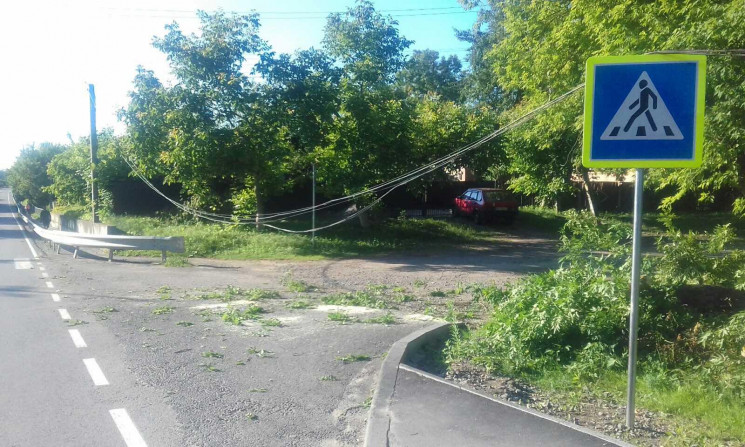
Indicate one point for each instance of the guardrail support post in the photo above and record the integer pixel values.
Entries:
(75, 253)
(111, 254)
(163, 256)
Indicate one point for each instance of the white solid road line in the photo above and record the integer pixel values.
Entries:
(80, 343)
(95, 372)
(55, 297)
(31, 247)
(127, 428)
(64, 314)
(50, 285)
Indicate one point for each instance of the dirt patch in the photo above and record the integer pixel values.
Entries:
(498, 264)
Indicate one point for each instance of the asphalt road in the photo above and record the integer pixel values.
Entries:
(48, 396)
(183, 375)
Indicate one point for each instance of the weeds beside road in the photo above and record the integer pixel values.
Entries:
(565, 332)
(393, 236)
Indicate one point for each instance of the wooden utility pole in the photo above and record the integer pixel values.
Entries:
(313, 221)
(94, 152)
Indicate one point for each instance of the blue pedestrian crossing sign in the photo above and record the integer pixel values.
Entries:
(644, 111)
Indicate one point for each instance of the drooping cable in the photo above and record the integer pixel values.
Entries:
(388, 186)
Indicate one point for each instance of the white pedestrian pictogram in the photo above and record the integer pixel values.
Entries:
(642, 116)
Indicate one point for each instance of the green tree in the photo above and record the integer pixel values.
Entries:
(366, 43)
(70, 171)
(215, 132)
(371, 141)
(28, 176)
(3, 178)
(428, 73)
(537, 50)
(440, 126)
(304, 88)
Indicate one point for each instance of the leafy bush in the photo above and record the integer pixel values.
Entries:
(575, 318)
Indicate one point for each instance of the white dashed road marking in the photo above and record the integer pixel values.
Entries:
(50, 285)
(80, 343)
(41, 269)
(127, 428)
(30, 247)
(64, 314)
(95, 372)
(44, 275)
(55, 297)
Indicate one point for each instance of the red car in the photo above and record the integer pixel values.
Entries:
(484, 204)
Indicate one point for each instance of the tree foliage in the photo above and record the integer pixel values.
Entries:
(70, 171)
(425, 74)
(215, 131)
(537, 50)
(28, 177)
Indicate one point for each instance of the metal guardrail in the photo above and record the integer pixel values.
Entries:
(112, 243)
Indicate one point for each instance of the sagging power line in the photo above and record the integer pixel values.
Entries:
(387, 187)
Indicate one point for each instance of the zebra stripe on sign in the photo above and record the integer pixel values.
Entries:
(23, 264)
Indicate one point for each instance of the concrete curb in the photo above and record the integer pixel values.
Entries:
(379, 420)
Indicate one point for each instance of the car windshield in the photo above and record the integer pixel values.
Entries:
(497, 196)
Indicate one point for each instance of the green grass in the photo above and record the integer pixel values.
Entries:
(700, 415)
(164, 292)
(341, 317)
(163, 310)
(232, 293)
(270, 322)
(176, 261)
(296, 285)
(244, 242)
(387, 319)
(542, 219)
(352, 358)
(654, 224)
(212, 355)
(238, 316)
(184, 324)
(360, 298)
(300, 304)
(328, 378)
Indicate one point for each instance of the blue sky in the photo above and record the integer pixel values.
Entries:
(53, 48)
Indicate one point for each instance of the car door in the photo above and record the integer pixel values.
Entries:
(478, 200)
(470, 202)
(460, 203)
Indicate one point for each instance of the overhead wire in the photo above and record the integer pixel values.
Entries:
(388, 186)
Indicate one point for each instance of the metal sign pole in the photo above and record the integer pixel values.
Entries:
(313, 224)
(636, 257)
